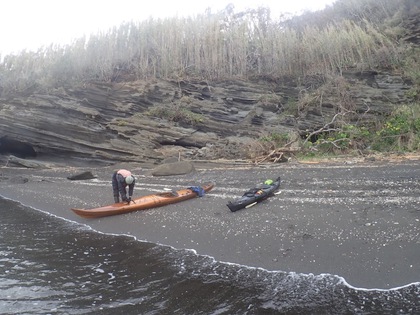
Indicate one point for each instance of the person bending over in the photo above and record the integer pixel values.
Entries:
(120, 180)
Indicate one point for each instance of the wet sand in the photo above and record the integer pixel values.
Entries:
(360, 221)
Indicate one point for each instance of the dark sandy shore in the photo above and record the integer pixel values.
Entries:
(360, 221)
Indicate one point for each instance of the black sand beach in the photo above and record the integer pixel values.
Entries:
(360, 221)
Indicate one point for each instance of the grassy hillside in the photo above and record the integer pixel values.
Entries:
(365, 35)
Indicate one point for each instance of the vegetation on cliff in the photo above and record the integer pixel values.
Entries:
(313, 49)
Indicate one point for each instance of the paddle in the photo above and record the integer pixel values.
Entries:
(254, 203)
(173, 191)
(131, 200)
(250, 205)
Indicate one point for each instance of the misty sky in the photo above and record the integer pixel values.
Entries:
(30, 24)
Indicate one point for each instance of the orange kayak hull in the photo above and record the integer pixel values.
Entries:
(141, 203)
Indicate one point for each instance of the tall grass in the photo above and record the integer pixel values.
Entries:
(213, 47)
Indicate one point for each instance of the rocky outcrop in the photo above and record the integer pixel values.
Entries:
(82, 176)
(174, 168)
(107, 123)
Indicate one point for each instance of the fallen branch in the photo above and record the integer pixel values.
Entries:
(274, 156)
(323, 129)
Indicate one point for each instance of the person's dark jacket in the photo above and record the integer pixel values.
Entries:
(119, 188)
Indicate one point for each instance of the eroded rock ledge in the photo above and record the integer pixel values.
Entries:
(111, 122)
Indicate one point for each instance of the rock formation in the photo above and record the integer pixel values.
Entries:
(113, 122)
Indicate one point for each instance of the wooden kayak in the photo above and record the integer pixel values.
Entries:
(143, 203)
(254, 196)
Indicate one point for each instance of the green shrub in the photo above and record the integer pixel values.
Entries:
(278, 139)
(349, 137)
(401, 131)
(176, 113)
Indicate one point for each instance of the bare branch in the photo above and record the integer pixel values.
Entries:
(324, 128)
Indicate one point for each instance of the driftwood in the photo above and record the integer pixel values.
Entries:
(224, 162)
(275, 156)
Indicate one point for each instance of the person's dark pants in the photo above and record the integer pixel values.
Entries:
(115, 188)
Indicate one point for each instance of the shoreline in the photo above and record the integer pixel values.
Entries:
(319, 223)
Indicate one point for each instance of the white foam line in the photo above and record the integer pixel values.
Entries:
(329, 201)
(231, 194)
(377, 289)
(235, 193)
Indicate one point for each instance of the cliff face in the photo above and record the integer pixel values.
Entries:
(411, 21)
(113, 122)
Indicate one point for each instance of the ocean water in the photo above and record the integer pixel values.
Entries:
(52, 266)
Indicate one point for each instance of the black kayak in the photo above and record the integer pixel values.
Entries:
(254, 196)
